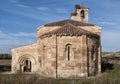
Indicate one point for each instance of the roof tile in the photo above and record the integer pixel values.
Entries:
(80, 7)
(67, 30)
(73, 22)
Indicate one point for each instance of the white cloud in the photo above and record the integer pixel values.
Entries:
(21, 5)
(14, 35)
(106, 23)
(14, 1)
(4, 36)
(62, 10)
(110, 40)
(0, 31)
(11, 40)
(23, 34)
(43, 8)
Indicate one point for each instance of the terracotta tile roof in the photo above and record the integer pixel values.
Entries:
(73, 14)
(68, 30)
(73, 22)
(80, 7)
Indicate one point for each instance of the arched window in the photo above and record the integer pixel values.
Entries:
(68, 52)
(82, 14)
(93, 53)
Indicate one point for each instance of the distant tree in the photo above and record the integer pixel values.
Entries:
(0, 56)
(9, 56)
(5, 56)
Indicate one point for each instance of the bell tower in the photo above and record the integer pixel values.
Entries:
(81, 14)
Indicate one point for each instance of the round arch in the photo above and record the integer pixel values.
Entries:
(82, 14)
(68, 51)
(26, 62)
(25, 57)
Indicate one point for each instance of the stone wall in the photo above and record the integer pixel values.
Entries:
(73, 66)
(50, 58)
(93, 55)
(47, 50)
(54, 48)
(42, 30)
(26, 52)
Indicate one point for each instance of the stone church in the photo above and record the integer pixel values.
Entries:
(67, 48)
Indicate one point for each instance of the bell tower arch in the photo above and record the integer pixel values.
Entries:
(81, 14)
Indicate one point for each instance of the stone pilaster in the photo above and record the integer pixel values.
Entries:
(84, 72)
(99, 59)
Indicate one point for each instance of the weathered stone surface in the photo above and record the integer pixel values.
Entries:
(62, 54)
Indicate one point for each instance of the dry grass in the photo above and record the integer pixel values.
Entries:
(110, 75)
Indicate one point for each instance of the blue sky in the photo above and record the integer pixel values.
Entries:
(19, 20)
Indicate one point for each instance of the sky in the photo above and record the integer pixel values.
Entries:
(19, 20)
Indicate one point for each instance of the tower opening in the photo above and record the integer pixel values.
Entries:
(82, 14)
